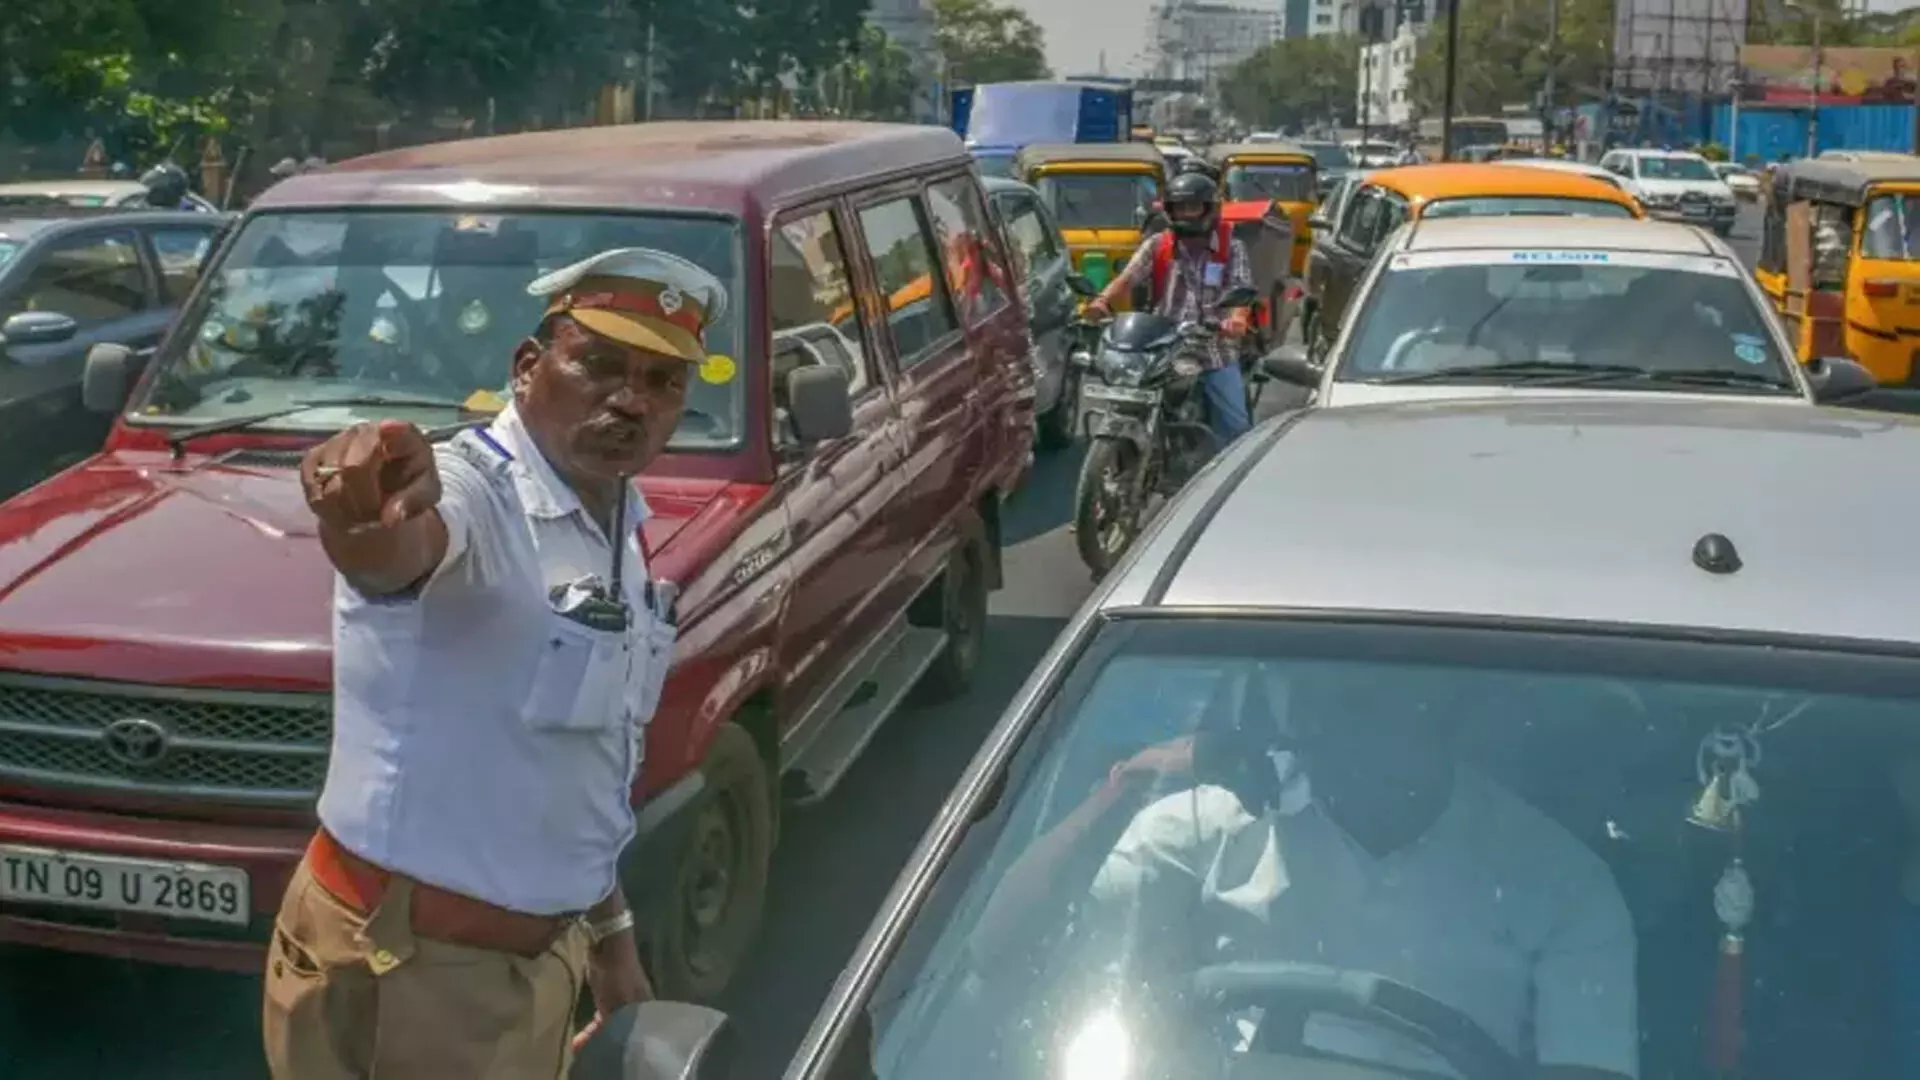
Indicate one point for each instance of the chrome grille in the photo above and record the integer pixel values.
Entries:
(218, 745)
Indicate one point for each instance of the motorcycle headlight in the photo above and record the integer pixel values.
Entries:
(1120, 367)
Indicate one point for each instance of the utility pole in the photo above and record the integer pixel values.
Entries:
(1813, 92)
(646, 74)
(1453, 65)
(1547, 95)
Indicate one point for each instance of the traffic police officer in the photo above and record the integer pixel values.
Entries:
(498, 649)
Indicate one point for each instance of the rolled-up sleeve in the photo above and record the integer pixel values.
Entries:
(1136, 269)
(1586, 999)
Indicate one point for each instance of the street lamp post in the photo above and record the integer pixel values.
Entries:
(1453, 64)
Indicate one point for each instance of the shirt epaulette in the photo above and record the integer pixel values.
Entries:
(481, 450)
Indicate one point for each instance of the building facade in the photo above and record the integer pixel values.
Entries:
(1203, 41)
(1383, 94)
(910, 24)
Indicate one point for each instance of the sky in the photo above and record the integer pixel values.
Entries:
(1079, 30)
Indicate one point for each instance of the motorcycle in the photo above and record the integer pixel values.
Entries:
(1146, 423)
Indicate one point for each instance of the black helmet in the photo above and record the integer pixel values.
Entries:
(1193, 189)
(1198, 164)
(166, 185)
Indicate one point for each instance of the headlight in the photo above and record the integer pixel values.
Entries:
(1122, 368)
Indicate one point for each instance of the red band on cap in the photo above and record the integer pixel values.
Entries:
(685, 314)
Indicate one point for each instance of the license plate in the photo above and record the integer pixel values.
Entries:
(1098, 392)
(149, 887)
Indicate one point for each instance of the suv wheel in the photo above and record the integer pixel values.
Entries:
(963, 618)
(720, 887)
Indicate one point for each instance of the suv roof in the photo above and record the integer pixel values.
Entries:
(25, 222)
(1581, 509)
(1542, 231)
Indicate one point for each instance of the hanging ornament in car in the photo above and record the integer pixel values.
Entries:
(475, 318)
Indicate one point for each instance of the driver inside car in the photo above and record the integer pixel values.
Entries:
(1344, 831)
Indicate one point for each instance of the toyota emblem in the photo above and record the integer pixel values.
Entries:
(136, 741)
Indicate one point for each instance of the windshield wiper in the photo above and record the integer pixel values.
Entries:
(177, 441)
(1522, 370)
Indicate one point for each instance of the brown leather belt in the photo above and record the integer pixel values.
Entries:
(438, 915)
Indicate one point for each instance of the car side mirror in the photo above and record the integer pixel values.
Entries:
(819, 403)
(1082, 285)
(1837, 379)
(1237, 297)
(1289, 364)
(1319, 221)
(657, 1040)
(106, 378)
(1155, 221)
(38, 328)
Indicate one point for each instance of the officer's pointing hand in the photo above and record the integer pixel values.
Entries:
(371, 474)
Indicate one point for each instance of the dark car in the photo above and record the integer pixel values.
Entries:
(1041, 263)
(71, 279)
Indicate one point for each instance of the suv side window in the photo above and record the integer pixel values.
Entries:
(180, 250)
(900, 243)
(91, 279)
(810, 304)
(1359, 223)
(1028, 235)
(976, 274)
(1393, 214)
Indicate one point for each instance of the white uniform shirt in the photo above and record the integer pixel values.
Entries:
(483, 742)
(1496, 911)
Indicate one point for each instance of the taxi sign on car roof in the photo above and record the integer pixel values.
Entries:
(1648, 260)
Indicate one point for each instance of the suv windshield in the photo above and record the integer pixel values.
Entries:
(1665, 315)
(1503, 205)
(1675, 168)
(1099, 200)
(1287, 183)
(422, 305)
(1258, 848)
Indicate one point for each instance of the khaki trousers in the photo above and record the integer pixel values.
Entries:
(353, 997)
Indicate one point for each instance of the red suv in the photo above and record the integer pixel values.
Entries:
(830, 508)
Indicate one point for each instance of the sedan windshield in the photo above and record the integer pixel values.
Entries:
(994, 164)
(1328, 155)
(417, 305)
(1287, 183)
(1099, 200)
(1260, 849)
(1504, 205)
(8, 249)
(1458, 312)
(1675, 168)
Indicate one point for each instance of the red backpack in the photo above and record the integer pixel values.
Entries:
(1163, 257)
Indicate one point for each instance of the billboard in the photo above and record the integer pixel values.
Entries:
(1784, 74)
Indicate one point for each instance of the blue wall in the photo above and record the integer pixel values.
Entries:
(1773, 132)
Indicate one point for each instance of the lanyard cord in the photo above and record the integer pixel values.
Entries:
(617, 534)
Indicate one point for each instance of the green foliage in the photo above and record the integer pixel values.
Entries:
(1505, 55)
(981, 42)
(1295, 83)
(875, 82)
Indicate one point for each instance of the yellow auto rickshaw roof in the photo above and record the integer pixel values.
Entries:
(1040, 155)
(1847, 182)
(1455, 180)
(1220, 155)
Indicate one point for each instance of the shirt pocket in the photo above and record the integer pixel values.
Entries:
(576, 678)
(656, 653)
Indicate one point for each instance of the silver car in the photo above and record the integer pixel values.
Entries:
(1502, 738)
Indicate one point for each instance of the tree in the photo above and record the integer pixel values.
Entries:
(1295, 83)
(1504, 55)
(981, 42)
(875, 82)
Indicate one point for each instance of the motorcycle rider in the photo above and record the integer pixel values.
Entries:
(1189, 266)
(167, 186)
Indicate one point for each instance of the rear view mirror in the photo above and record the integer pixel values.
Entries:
(38, 328)
(105, 380)
(656, 1040)
(1237, 297)
(1289, 364)
(819, 403)
(1081, 285)
(1837, 379)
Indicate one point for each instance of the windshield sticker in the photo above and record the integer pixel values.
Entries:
(717, 370)
(484, 401)
(474, 223)
(1750, 349)
(1561, 256)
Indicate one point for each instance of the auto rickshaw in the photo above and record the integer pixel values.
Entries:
(1840, 260)
(1101, 194)
(1267, 194)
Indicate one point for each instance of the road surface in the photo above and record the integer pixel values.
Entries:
(63, 1018)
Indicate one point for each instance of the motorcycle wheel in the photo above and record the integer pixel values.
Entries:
(1058, 427)
(1103, 522)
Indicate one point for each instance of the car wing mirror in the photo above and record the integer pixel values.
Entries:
(1081, 285)
(38, 328)
(1289, 364)
(1319, 221)
(819, 403)
(1837, 379)
(1155, 221)
(657, 1040)
(106, 378)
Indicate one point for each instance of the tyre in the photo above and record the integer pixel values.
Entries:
(720, 886)
(1057, 426)
(963, 618)
(1103, 523)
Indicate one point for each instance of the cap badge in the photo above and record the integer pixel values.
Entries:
(670, 299)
